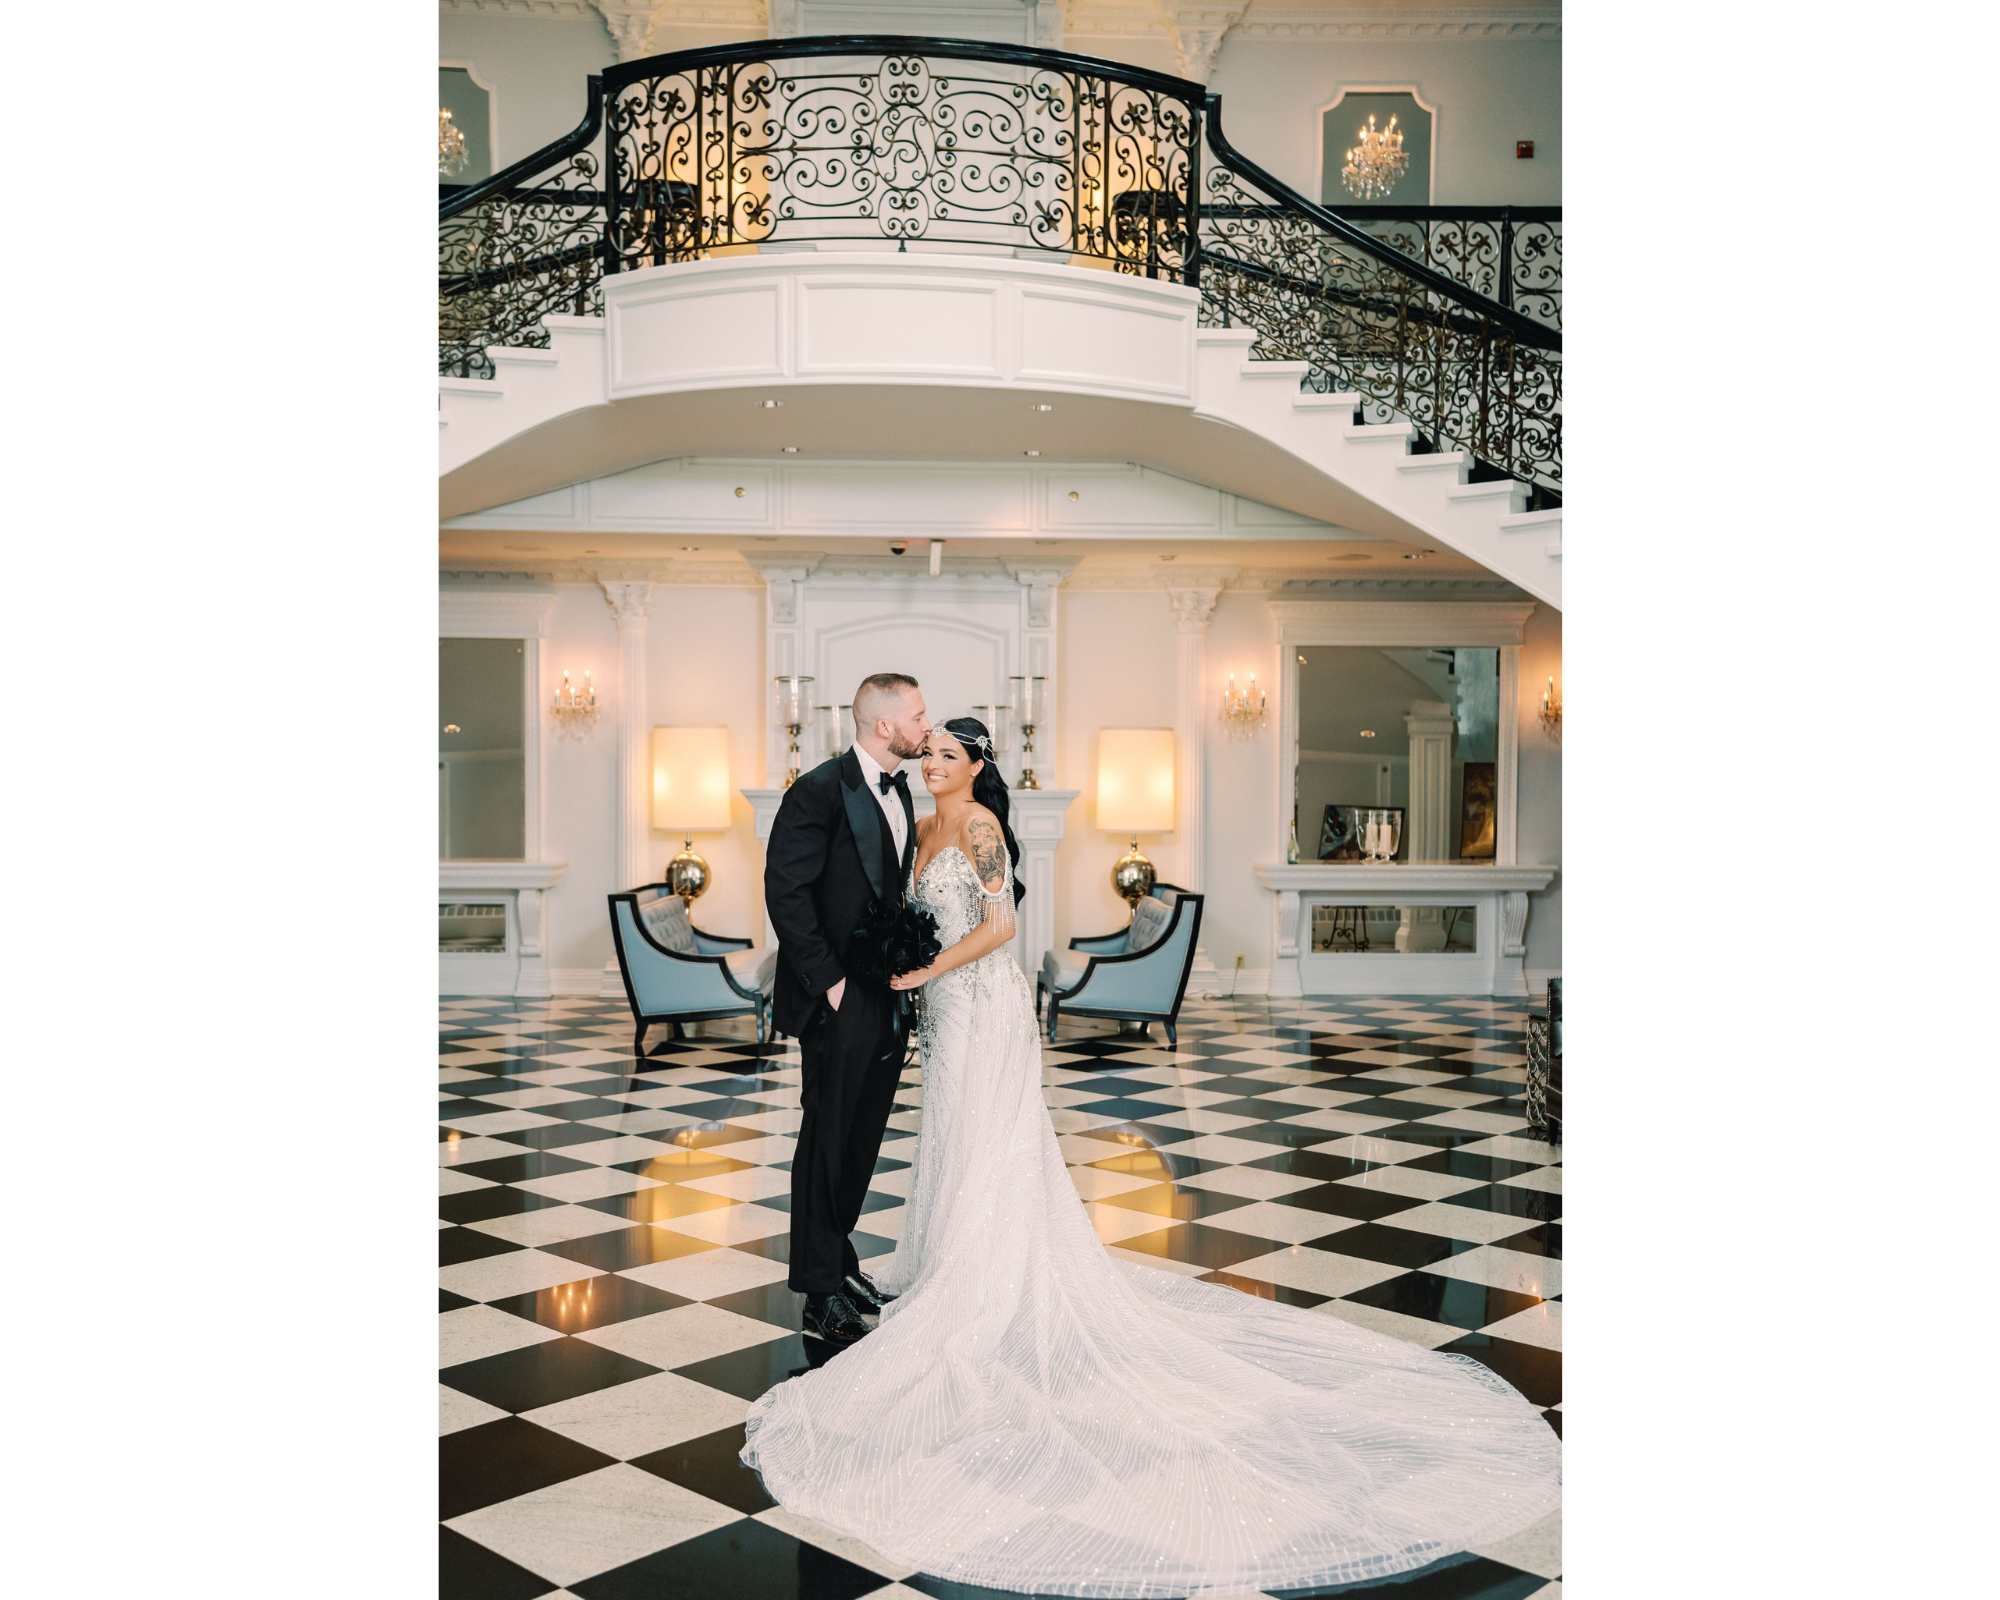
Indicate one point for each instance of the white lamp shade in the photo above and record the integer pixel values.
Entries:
(691, 780)
(1135, 780)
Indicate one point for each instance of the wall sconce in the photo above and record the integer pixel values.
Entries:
(1552, 710)
(1242, 709)
(690, 796)
(575, 711)
(1135, 795)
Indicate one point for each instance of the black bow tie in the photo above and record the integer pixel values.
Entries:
(899, 779)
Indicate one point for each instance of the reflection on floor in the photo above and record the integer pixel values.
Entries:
(613, 1239)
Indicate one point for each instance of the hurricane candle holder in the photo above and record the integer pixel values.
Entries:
(1029, 703)
(794, 713)
(1381, 834)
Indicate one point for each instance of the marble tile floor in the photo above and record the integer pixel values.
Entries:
(612, 1237)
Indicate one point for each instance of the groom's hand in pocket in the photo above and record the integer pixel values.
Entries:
(833, 995)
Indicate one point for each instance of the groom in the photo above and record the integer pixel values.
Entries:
(845, 834)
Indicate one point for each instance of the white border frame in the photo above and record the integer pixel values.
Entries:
(1404, 624)
(512, 613)
(1346, 89)
(471, 70)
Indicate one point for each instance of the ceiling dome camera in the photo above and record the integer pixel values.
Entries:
(897, 547)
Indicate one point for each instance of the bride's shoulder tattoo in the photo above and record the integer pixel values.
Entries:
(989, 850)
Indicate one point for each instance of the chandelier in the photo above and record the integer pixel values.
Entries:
(451, 146)
(575, 712)
(1374, 165)
(1242, 709)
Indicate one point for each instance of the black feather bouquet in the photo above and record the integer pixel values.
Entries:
(889, 941)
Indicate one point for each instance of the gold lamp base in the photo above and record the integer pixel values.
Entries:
(1132, 876)
(687, 874)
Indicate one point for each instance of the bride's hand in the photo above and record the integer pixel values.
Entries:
(911, 980)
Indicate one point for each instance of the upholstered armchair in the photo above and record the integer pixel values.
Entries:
(675, 973)
(1138, 974)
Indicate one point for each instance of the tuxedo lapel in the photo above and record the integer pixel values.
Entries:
(864, 821)
(909, 839)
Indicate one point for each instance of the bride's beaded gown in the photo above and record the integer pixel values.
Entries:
(1035, 1414)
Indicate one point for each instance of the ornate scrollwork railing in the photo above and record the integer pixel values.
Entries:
(1512, 254)
(882, 139)
(526, 242)
(1413, 342)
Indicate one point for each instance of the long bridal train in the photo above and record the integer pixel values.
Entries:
(1034, 1414)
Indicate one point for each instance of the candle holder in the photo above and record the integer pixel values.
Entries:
(1381, 832)
(1029, 704)
(826, 723)
(794, 712)
(575, 711)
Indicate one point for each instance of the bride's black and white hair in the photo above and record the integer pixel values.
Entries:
(988, 787)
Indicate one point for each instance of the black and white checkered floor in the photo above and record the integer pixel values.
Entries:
(613, 1239)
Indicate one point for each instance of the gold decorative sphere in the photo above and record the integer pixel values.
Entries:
(1133, 875)
(687, 874)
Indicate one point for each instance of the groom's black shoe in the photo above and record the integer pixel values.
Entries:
(860, 1288)
(834, 1318)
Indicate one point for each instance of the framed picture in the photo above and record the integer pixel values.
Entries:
(1478, 816)
(1340, 831)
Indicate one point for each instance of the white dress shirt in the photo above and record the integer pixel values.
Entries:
(891, 802)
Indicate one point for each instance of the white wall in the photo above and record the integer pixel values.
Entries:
(1486, 96)
(1117, 660)
(535, 68)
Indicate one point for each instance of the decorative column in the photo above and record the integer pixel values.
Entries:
(1194, 608)
(1430, 725)
(630, 605)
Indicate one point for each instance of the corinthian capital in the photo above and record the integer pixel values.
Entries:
(630, 602)
(1197, 33)
(631, 24)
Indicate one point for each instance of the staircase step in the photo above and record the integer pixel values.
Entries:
(1555, 550)
(1453, 461)
(1245, 337)
(1296, 371)
(521, 356)
(1549, 521)
(1327, 402)
(1504, 490)
(1381, 433)
(492, 388)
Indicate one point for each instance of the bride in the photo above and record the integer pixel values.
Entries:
(1035, 1414)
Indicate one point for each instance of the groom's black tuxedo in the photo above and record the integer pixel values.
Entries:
(831, 852)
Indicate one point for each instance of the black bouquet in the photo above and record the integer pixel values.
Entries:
(890, 941)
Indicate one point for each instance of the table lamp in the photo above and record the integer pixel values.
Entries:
(1135, 795)
(690, 796)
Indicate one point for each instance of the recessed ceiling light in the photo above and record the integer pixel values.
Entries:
(1031, 452)
(451, 727)
(765, 538)
(769, 405)
(791, 449)
(1169, 558)
(1302, 660)
(1040, 407)
(691, 547)
(536, 548)
(1367, 733)
(590, 552)
(1347, 558)
(1045, 541)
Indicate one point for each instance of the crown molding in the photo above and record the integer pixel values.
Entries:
(538, 10)
(1403, 24)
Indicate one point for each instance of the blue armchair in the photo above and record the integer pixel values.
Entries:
(675, 973)
(1138, 974)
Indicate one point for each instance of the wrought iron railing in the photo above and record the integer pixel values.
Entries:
(877, 141)
(1412, 342)
(1512, 254)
